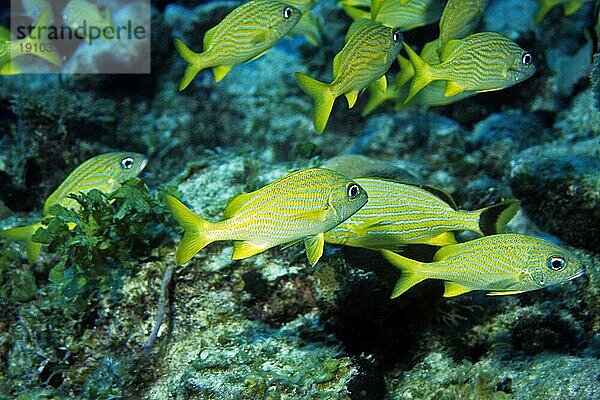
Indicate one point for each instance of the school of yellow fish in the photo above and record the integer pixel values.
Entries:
(320, 205)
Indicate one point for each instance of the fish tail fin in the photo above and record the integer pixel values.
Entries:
(407, 71)
(194, 66)
(422, 76)
(195, 230)
(410, 272)
(323, 99)
(40, 46)
(24, 233)
(492, 219)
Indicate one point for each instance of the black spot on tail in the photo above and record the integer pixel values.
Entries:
(493, 219)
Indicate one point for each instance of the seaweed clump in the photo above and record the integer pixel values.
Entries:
(64, 329)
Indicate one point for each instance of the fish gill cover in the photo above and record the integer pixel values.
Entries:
(468, 137)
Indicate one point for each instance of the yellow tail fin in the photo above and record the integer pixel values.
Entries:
(422, 75)
(40, 45)
(410, 272)
(323, 99)
(193, 65)
(24, 233)
(195, 229)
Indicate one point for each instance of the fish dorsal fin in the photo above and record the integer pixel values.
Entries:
(452, 289)
(381, 84)
(220, 71)
(504, 292)
(442, 194)
(351, 97)
(336, 64)
(245, 249)
(447, 251)
(236, 203)
(314, 247)
(450, 48)
(208, 37)
(453, 88)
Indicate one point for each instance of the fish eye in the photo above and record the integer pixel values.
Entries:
(526, 59)
(556, 263)
(287, 12)
(397, 36)
(353, 190)
(127, 162)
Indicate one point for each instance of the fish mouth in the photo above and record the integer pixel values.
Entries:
(577, 275)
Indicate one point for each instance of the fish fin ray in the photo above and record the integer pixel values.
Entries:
(422, 76)
(493, 219)
(314, 247)
(220, 71)
(193, 67)
(195, 229)
(246, 248)
(323, 99)
(452, 89)
(351, 97)
(410, 272)
(452, 289)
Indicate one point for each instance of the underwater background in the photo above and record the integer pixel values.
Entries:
(81, 320)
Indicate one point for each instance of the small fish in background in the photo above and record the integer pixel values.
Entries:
(308, 26)
(31, 45)
(570, 7)
(246, 33)
(501, 264)
(300, 206)
(104, 172)
(35, 8)
(413, 14)
(376, 5)
(481, 62)
(399, 213)
(459, 19)
(79, 12)
(369, 51)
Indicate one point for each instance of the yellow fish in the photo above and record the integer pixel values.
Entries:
(300, 206)
(369, 51)
(398, 214)
(481, 62)
(104, 172)
(571, 7)
(35, 44)
(308, 25)
(404, 17)
(35, 8)
(244, 34)
(78, 13)
(459, 18)
(502, 264)
(376, 5)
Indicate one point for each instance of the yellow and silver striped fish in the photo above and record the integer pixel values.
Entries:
(369, 51)
(502, 264)
(481, 62)
(244, 34)
(405, 17)
(104, 172)
(459, 18)
(399, 213)
(300, 206)
(78, 13)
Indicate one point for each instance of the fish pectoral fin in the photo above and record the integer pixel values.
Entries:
(313, 216)
(504, 292)
(258, 56)
(453, 88)
(245, 249)
(452, 289)
(314, 247)
(351, 98)
(220, 71)
(260, 37)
